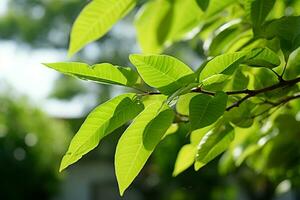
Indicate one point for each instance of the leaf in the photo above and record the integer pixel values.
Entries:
(139, 140)
(183, 103)
(161, 22)
(218, 78)
(152, 25)
(293, 65)
(213, 144)
(258, 10)
(223, 64)
(262, 57)
(185, 158)
(241, 116)
(100, 122)
(95, 20)
(171, 130)
(203, 4)
(163, 72)
(216, 6)
(103, 73)
(205, 109)
(281, 28)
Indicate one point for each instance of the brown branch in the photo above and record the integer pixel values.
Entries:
(249, 93)
(252, 93)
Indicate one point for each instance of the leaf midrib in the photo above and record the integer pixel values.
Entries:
(108, 11)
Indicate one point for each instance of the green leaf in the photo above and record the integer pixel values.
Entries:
(100, 122)
(95, 20)
(213, 144)
(262, 57)
(103, 73)
(218, 78)
(185, 158)
(152, 25)
(161, 22)
(183, 103)
(205, 109)
(216, 6)
(287, 29)
(203, 4)
(293, 65)
(223, 64)
(163, 72)
(171, 130)
(139, 140)
(258, 10)
(241, 116)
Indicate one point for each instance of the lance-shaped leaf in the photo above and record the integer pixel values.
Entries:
(185, 158)
(206, 109)
(103, 73)
(96, 19)
(223, 64)
(163, 72)
(139, 140)
(100, 122)
(213, 144)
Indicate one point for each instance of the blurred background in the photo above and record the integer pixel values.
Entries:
(41, 109)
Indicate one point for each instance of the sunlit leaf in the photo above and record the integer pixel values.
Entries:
(139, 140)
(185, 158)
(103, 73)
(163, 72)
(216, 6)
(100, 122)
(223, 64)
(95, 20)
(183, 103)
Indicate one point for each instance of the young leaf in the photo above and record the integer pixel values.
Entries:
(103, 73)
(163, 72)
(205, 109)
(139, 140)
(185, 158)
(223, 64)
(95, 20)
(100, 122)
(213, 144)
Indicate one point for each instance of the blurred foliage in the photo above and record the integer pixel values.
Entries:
(31, 145)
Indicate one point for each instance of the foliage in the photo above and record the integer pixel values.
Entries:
(236, 101)
(28, 169)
